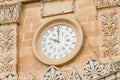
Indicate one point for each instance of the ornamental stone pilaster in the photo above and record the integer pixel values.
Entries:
(109, 29)
(9, 19)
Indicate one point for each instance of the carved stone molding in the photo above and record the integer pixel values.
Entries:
(53, 73)
(10, 13)
(109, 23)
(93, 69)
(75, 75)
(114, 66)
(107, 3)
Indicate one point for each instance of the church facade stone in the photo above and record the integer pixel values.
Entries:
(98, 57)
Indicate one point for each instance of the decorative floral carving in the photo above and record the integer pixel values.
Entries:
(10, 12)
(106, 3)
(114, 66)
(75, 75)
(93, 69)
(7, 49)
(109, 24)
(53, 73)
(10, 77)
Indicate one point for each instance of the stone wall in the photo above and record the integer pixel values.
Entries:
(90, 15)
(31, 20)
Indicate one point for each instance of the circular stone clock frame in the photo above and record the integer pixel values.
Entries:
(41, 31)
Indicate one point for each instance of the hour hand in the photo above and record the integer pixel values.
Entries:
(55, 40)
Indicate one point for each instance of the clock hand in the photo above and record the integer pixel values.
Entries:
(55, 40)
(58, 32)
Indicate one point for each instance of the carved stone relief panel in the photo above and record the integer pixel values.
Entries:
(109, 23)
(93, 69)
(57, 7)
(107, 3)
(53, 73)
(8, 48)
(10, 12)
(75, 75)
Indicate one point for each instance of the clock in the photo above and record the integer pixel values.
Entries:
(57, 42)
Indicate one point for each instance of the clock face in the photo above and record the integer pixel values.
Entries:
(58, 41)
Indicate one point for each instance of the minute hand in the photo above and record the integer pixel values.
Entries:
(58, 31)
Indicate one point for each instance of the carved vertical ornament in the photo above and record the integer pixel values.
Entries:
(109, 32)
(53, 73)
(75, 75)
(93, 69)
(8, 49)
(9, 16)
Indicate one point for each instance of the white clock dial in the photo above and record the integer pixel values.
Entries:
(58, 42)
